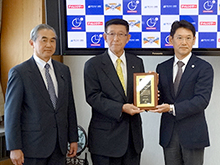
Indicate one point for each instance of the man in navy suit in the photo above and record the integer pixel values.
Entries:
(38, 124)
(115, 131)
(183, 131)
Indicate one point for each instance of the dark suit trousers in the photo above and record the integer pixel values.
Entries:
(176, 154)
(129, 158)
(56, 158)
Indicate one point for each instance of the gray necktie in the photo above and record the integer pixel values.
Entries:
(51, 89)
(178, 76)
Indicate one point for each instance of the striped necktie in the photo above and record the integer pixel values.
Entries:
(51, 89)
(120, 74)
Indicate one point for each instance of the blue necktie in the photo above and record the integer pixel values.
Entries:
(51, 89)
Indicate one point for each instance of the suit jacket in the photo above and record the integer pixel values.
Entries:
(31, 123)
(109, 127)
(192, 98)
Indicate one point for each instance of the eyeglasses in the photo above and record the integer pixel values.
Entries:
(119, 35)
(187, 39)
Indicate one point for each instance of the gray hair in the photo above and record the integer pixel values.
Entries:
(36, 29)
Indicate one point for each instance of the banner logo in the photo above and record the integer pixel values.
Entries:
(94, 23)
(76, 23)
(151, 40)
(208, 5)
(75, 7)
(151, 22)
(133, 23)
(132, 5)
(113, 6)
(189, 6)
(207, 23)
(95, 39)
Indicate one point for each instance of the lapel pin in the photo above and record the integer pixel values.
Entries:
(133, 67)
(193, 66)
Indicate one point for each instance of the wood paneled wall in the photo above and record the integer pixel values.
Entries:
(18, 18)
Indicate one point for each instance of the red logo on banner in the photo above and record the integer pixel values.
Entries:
(208, 23)
(95, 23)
(75, 7)
(189, 6)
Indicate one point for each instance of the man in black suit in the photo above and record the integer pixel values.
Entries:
(183, 131)
(40, 115)
(115, 131)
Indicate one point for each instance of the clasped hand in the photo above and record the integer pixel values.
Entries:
(131, 109)
(161, 108)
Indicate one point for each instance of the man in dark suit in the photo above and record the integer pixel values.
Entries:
(115, 131)
(40, 115)
(183, 131)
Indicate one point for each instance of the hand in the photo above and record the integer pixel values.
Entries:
(131, 109)
(17, 157)
(158, 94)
(161, 108)
(73, 149)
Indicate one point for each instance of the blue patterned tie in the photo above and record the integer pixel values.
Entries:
(51, 89)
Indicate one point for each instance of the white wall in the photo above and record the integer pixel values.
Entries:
(152, 153)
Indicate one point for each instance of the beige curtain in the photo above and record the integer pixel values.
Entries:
(1, 94)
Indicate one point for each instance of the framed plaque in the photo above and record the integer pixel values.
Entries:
(145, 90)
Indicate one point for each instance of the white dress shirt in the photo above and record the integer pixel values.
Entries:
(175, 69)
(41, 63)
(123, 64)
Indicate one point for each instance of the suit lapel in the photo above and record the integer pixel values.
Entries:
(169, 69)
(187, 72)
(130, 75)
(38, 81)
(61, 83)
(110, 71)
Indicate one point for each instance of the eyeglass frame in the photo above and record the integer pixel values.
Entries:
(187, 39)
(119, 35)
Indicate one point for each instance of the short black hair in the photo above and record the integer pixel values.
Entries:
(117, 21)
(182, 24)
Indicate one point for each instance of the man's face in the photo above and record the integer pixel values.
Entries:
(116, 37)
(182, 41)
(45, 44)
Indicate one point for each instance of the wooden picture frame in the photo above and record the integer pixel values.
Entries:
(145, 90)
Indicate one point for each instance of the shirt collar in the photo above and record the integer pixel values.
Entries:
(114, 57)
(41, 63)
(185, 60)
